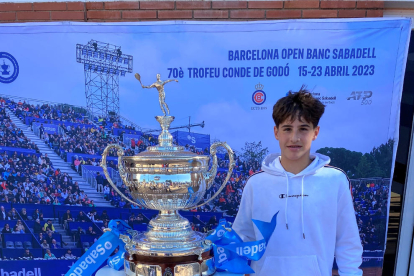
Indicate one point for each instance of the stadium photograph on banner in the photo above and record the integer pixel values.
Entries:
(225, 148)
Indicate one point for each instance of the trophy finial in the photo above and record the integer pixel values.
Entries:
(159, 85)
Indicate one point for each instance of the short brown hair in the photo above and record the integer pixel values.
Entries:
(298, 105)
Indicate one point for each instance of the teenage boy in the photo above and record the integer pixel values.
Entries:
(316, 219)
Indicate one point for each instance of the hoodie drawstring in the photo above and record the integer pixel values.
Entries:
(303, 223)
(286, 201)
(286, 204)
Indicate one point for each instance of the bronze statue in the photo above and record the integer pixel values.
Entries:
(161, 93)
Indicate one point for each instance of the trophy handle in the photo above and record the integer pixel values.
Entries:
(121, 169)
(210, 175)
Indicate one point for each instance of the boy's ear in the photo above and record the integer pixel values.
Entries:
(315, 133)
(276, 131)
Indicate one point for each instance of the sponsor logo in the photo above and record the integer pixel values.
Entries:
(259, 96)
(364, 96)
(9, 68)
(91, 257)
(191, 138)
(324, 99)
(23, 272)
(295, 196)
(250, 250)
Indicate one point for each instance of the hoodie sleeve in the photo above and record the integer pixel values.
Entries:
(348, 248)
(243, 224)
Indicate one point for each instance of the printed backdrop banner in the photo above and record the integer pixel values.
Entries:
(35, 267)
(199, 141)
(49, 128)
(230, 74)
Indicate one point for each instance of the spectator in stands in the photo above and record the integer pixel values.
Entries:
(106, 191)
(13, 215)
(78, 233)
(3, 214)
(41, 131)
(49, 237)
(99, 182)
(48, 227)
(27, 254)
(67, 217)
(23, 214)
(45, 245)
(122, 203)
(213, 221)
(81, 217)
(37, 215)
(93, 216)
(90, 231)
(40, 238)
(69, 255)
(104, 217)
(6, 229)
(20, 226)
(115, 199)
(49, 255)
(91, 204)
(76, 164)
(37, 227)
(16, 230)
(131, 220)
(54, 245)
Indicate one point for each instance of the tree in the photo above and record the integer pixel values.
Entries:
(383, 156)
(376, 163)
(253, 152)
(343, 159)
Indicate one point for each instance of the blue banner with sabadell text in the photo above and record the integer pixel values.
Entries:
(219, 81)
(35, 267)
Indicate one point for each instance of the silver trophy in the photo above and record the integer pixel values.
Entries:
(167, 178)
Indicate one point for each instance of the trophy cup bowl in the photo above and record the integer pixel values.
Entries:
(167, 178)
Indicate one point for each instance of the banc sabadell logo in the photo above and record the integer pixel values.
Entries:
(9, 68)
(191, 138)
(259, 96)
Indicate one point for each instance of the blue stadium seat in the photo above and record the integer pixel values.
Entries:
(9, 244)
(27, 244)
(18, 245)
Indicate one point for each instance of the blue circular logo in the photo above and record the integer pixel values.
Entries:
(259, 97)
(9, 68)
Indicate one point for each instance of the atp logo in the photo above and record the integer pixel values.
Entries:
(259, 96)
(364, 96)
(9, 68)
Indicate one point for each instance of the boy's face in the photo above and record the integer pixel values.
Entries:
(295, 138)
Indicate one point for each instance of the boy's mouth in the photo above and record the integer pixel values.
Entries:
(294, 147)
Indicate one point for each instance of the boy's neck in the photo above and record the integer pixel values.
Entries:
(295, 166)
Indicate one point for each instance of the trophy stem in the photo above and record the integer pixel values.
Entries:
(165, 139)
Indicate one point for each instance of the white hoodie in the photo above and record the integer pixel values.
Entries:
(316, 219)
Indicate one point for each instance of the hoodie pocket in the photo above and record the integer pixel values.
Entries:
(291, 266)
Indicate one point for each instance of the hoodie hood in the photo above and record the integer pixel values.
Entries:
(271, 164)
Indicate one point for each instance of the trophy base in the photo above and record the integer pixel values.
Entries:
(170, 266)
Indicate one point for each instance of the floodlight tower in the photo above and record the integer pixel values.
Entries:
(103, 64)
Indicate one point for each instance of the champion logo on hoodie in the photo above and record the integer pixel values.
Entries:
(296, 196)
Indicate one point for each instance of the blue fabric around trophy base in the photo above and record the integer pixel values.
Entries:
(107, 271)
